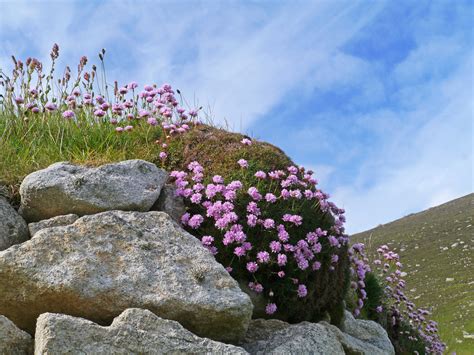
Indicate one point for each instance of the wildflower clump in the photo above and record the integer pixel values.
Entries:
(380, 293)
(275, 232)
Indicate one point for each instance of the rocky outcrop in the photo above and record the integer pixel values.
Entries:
(135, 331)
(13, 228)
(64, 188)
(367, 331)
(277, 337)
(14, 341)
(52, 222)
(170, 203)
(108, 262)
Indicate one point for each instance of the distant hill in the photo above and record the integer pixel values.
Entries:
(437, 247)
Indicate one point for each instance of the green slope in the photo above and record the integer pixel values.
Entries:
(437, 247)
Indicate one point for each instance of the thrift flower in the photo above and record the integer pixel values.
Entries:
(270, 308)
(243, 163)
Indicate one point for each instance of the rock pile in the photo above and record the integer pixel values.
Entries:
(104, 274)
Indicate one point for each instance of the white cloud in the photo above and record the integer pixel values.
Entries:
(424, 162)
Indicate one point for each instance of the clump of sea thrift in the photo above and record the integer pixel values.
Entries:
(84, 100)
(273, 230)
(396, 311)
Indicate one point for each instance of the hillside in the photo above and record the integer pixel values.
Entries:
(436, 248)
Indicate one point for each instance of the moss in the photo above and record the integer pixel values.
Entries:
(218, 151)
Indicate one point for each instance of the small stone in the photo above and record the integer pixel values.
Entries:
(13, 228)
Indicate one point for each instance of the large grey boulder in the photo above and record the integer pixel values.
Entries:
(105, 263)
(170, 203)
(52, 222)
(135, 331)
(64, 188)
(14, 341)
(13, 228)
(367, 331)
(277, 337)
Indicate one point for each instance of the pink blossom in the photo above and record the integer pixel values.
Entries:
(270, 308)
(243, 163)
(246, 141)
(252, 266)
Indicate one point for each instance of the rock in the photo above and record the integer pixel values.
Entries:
(14, 341)
(170, 203)
(105, 263)
(135, 331)
(13, 228)
(52, 222)
(63, 188)
(367, 331)
(351, 345)
(277, 337)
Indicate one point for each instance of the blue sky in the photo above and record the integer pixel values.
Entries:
(376, 97)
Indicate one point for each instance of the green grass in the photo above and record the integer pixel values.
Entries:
(435, 246)
(34, 143)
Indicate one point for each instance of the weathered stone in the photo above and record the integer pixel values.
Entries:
(277, 337)
(368, 331)
(13, 228)
(108, 262)
(170, 203)
(351, 345)
(64, 188)
(52, 222)
(135, 331)
(14, 341)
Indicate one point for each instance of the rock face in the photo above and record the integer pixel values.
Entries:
(354, 346)
(105, 263)
(13, 228)
(52, 222)
(369, 332)
(277, 337)
(170, 203)
(64, 188)
(135, 331)
(14, 341)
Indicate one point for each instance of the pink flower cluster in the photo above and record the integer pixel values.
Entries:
(398, 307)
(76, 98)
(359, 268)
(401, 309)
(254, 240)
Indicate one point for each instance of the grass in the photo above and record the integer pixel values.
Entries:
(436, 246)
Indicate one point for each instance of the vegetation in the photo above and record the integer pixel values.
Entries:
(436, 245)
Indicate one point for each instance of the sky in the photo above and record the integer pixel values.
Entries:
(376, 97)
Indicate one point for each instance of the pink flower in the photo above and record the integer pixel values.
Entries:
(207, 240)
(252, 266)
(195, 221)
(68, 114)
(243, 163)
(281, 274)
(269, 197)
(260, 175)
(119, 129)
(50, 106)
(270, 308)
(302, 291)
(281, 259)
(246, 141)
(152, 121)
(268, 223)
(263, 257)
(128, 128)
(163, 155)
(99, 113)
